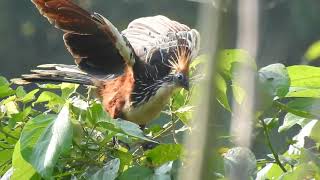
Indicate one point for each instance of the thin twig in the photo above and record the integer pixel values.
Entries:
(275, 155)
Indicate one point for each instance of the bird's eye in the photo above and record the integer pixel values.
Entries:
(179, 76)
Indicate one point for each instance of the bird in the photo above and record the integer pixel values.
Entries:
(135, 71)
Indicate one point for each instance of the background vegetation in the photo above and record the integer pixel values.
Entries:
(61, 131)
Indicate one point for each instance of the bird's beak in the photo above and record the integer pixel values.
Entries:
(185, 85)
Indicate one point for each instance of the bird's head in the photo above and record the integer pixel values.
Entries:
(180, 68)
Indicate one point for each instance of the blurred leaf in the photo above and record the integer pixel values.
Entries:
(221, 92)
(3, 81)
(5, 91)
(305, 81)
(271, 122)
(238, 92)
(11, 107)
(240, 161)
(52, 99)
(164, 153)
(228, 57)
(29, 96)
(303, 171)
(22, 169)
(290, 120)
(304, 107)
(131, 129)
(313, 52)
(108, 172)
(20, 92)
(270, 171)
(67, 89)
(44, 139)
(137, 173)
(274, 79)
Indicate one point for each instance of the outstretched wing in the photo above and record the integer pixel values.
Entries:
(96, 45)
(155, 39)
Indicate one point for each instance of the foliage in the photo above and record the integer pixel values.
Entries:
(56, 132)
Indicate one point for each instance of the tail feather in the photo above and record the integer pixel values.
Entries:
(57, 73)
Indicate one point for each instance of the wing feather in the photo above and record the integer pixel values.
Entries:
(96, 45)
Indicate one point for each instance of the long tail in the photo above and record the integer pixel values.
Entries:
(57, 73)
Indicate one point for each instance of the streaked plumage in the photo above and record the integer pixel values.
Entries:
(135, 71)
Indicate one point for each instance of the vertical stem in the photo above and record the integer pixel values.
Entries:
(275, 155)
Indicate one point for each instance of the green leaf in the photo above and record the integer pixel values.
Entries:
(305, 81)
(5, 91)
(52, 99)
(67, 89)
(313, 51)
(4, 81)
(227, 58)
(29, 96)
(274, 79)
(44, 139)
(131, 129)
(304, 107)
(302, 171)
(137, 173)
(164, 153)
(290, 120)
(22, 169)
(221, 92)
(108, 172)
(20, 92)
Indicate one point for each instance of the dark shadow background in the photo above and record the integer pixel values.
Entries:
(287, 28)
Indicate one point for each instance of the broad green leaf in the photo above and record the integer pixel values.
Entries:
(290, 120)
(164, 153)
(131, 129)
(5, 91)
(137, 173)
(274, 79)
(304, 107)
(22, 169)
(108, 172)
(227, 58)
(313, 51)
(305, 81)
(44, 139)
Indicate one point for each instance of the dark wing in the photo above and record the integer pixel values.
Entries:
(96, 45)
(155, 39)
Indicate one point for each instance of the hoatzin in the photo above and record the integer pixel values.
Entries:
(135, 71)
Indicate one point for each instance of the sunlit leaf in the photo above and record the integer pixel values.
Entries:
(164, 153)
(313, 51)
(29, 96)
(22, 169)
(290, 120)
(305, 81)
(44, 139)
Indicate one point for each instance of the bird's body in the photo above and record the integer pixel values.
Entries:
(135, 71)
